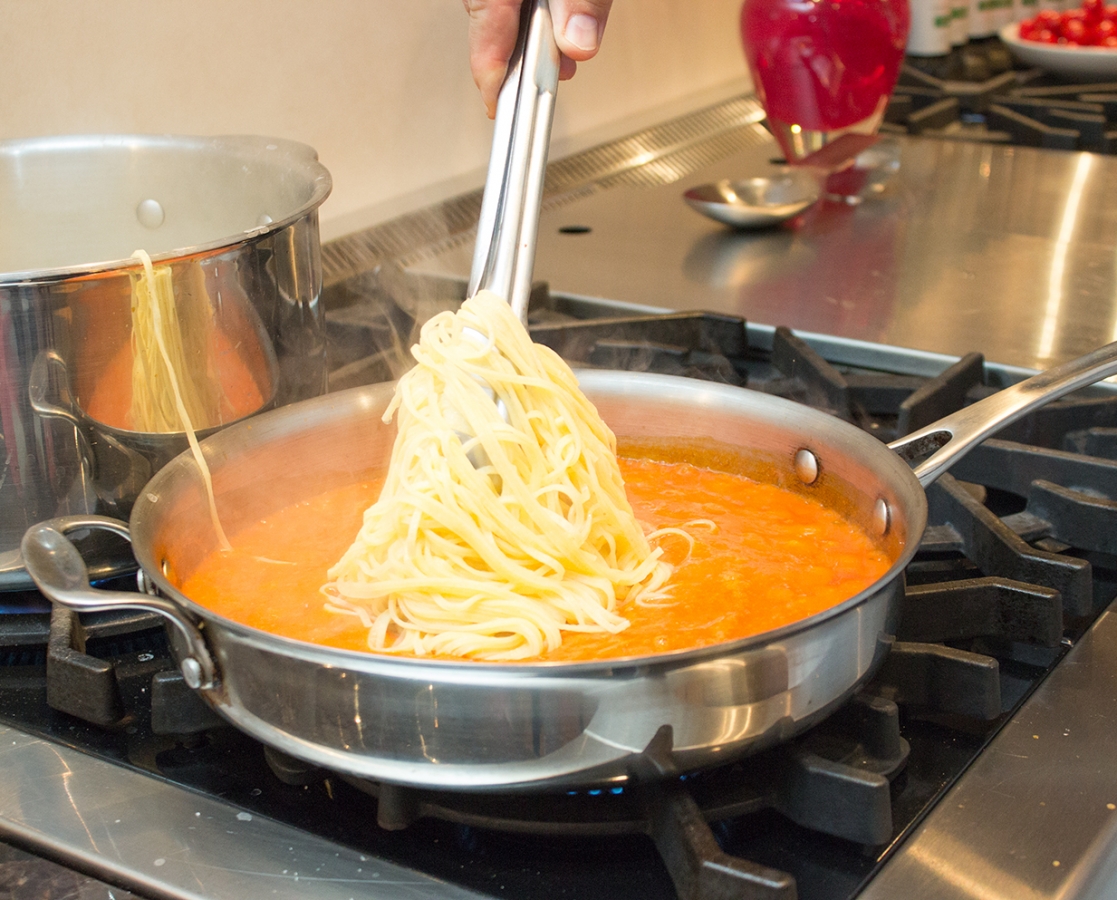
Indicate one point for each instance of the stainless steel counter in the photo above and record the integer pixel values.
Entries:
(1036, 815)
(1009, 251)
(163, 840)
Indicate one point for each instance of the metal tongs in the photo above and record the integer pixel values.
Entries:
(507, 228)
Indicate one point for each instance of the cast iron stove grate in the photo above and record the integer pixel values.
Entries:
(976, 94)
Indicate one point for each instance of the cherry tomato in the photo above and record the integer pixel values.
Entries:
(1074, 32)
(1091, 24)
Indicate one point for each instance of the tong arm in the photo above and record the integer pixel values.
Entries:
(504, 255)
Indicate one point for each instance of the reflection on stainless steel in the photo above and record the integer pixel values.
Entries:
(165, 841)
(238, 214)
(733, 261)
(872, 170)
(959, 250)
(117, 460)
(1036, 815)
(1069, 222)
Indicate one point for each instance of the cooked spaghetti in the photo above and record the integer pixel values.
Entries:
(503, 521)
(166, 373)
(172, 351)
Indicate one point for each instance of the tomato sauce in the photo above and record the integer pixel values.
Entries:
(774, 557)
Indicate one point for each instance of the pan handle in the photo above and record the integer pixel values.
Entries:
(934, 449)
(55, 565)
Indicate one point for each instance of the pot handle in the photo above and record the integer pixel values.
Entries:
(55, 565)
(38, 388)
(934, 449)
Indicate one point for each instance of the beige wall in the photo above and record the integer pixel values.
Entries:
(381, 88)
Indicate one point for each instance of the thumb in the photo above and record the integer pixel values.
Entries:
(579, 25)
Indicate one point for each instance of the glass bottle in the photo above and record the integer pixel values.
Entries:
(824, 70)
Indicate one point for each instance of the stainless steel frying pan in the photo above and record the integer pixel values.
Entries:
(493, 726)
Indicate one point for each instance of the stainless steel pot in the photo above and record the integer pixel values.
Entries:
(243, 211)
(467, 725)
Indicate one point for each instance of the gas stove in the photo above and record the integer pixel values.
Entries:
(974, 763)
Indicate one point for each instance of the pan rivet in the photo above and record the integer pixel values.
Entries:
(192, 672)
(150, 213)
(882, 517)
(806, 466)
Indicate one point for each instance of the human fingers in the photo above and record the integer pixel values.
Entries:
(579, 25)
(493, 27)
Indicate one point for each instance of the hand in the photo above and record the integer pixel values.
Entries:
(494, 25)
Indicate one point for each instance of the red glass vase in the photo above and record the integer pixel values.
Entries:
(824, 70)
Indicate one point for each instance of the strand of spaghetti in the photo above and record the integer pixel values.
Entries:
(184, 416)
(503, 520)
(185, 314)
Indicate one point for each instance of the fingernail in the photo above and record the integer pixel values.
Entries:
(581, 31)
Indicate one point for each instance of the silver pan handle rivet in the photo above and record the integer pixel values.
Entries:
(882, 517)
(150, 213)
(806, 466)
(192, 673)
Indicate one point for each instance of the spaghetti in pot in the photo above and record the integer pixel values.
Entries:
(172, 384)
(503, 521)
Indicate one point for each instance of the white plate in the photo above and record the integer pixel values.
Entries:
(1077, 63)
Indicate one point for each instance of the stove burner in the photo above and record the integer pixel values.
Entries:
(835, 780)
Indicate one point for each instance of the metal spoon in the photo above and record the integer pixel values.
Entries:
(758, 202)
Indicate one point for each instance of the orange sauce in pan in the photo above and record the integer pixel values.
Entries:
(775, 557)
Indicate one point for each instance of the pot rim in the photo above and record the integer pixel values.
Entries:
(300, 157)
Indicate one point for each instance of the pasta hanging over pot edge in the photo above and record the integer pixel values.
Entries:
(161, 379)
